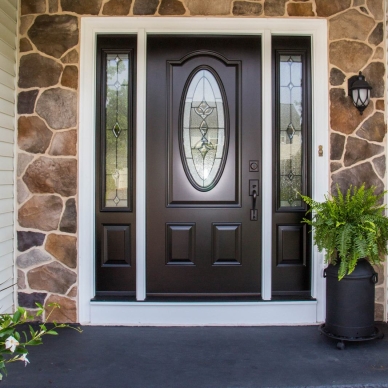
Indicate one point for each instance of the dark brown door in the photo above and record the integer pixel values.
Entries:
(203, 166)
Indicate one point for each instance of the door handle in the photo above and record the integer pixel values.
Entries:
(253, 192)
(254, 196)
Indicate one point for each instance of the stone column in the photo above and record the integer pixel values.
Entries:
(47, 158)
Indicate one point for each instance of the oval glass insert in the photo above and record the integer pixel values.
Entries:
(203, 131)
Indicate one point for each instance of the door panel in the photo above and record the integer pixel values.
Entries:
(200, 237)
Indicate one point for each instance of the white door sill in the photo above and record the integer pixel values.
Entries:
(203, 313)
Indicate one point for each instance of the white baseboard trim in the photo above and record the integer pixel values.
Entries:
(203, 314)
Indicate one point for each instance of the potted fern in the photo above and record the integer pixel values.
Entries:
(353, 230)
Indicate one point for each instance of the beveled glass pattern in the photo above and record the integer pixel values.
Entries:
(116, 131)
(203, 130)
(291, 106)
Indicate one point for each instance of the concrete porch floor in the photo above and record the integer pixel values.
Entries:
(196, 357)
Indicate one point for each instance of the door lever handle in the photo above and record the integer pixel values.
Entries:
(253, 192)
(254, 196)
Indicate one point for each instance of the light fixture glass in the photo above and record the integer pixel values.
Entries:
(359, 90)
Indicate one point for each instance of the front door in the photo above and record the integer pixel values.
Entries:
(203, 166)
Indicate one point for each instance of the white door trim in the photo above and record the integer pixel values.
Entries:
(141, 312)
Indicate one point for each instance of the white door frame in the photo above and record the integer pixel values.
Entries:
(146, 313)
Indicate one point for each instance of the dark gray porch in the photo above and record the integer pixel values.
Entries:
(195, 357)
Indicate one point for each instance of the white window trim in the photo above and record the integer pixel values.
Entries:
(140, 312)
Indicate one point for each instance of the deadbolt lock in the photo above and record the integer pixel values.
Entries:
(253, 165)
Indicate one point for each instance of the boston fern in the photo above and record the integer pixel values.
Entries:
(350, 227)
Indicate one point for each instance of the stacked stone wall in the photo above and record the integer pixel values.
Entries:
(47, 258)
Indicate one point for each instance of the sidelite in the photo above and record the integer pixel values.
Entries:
(115, 157)
(203, 135)
(292, 99)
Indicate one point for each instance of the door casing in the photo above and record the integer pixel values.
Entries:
(142, 312)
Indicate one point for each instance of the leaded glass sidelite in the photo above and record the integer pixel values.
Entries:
(116, 131)
(203, 130)
(291, 73)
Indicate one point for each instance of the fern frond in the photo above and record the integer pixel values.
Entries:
(350, 226)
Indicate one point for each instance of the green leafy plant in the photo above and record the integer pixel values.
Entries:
(13, 340)
(350, 227)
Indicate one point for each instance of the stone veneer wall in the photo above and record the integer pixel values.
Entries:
(47, 121)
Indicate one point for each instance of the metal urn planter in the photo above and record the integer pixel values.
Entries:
(352, 228)
(350, 304)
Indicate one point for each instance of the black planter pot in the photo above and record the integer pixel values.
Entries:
(350, 301)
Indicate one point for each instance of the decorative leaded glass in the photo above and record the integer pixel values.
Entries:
(290, 130)
(116, 131)
(203, 132)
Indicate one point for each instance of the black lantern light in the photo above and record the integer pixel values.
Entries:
(359, 90)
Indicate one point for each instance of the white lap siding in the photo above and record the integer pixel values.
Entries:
(8, 32)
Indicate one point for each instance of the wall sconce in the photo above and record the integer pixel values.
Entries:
(359, 90)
